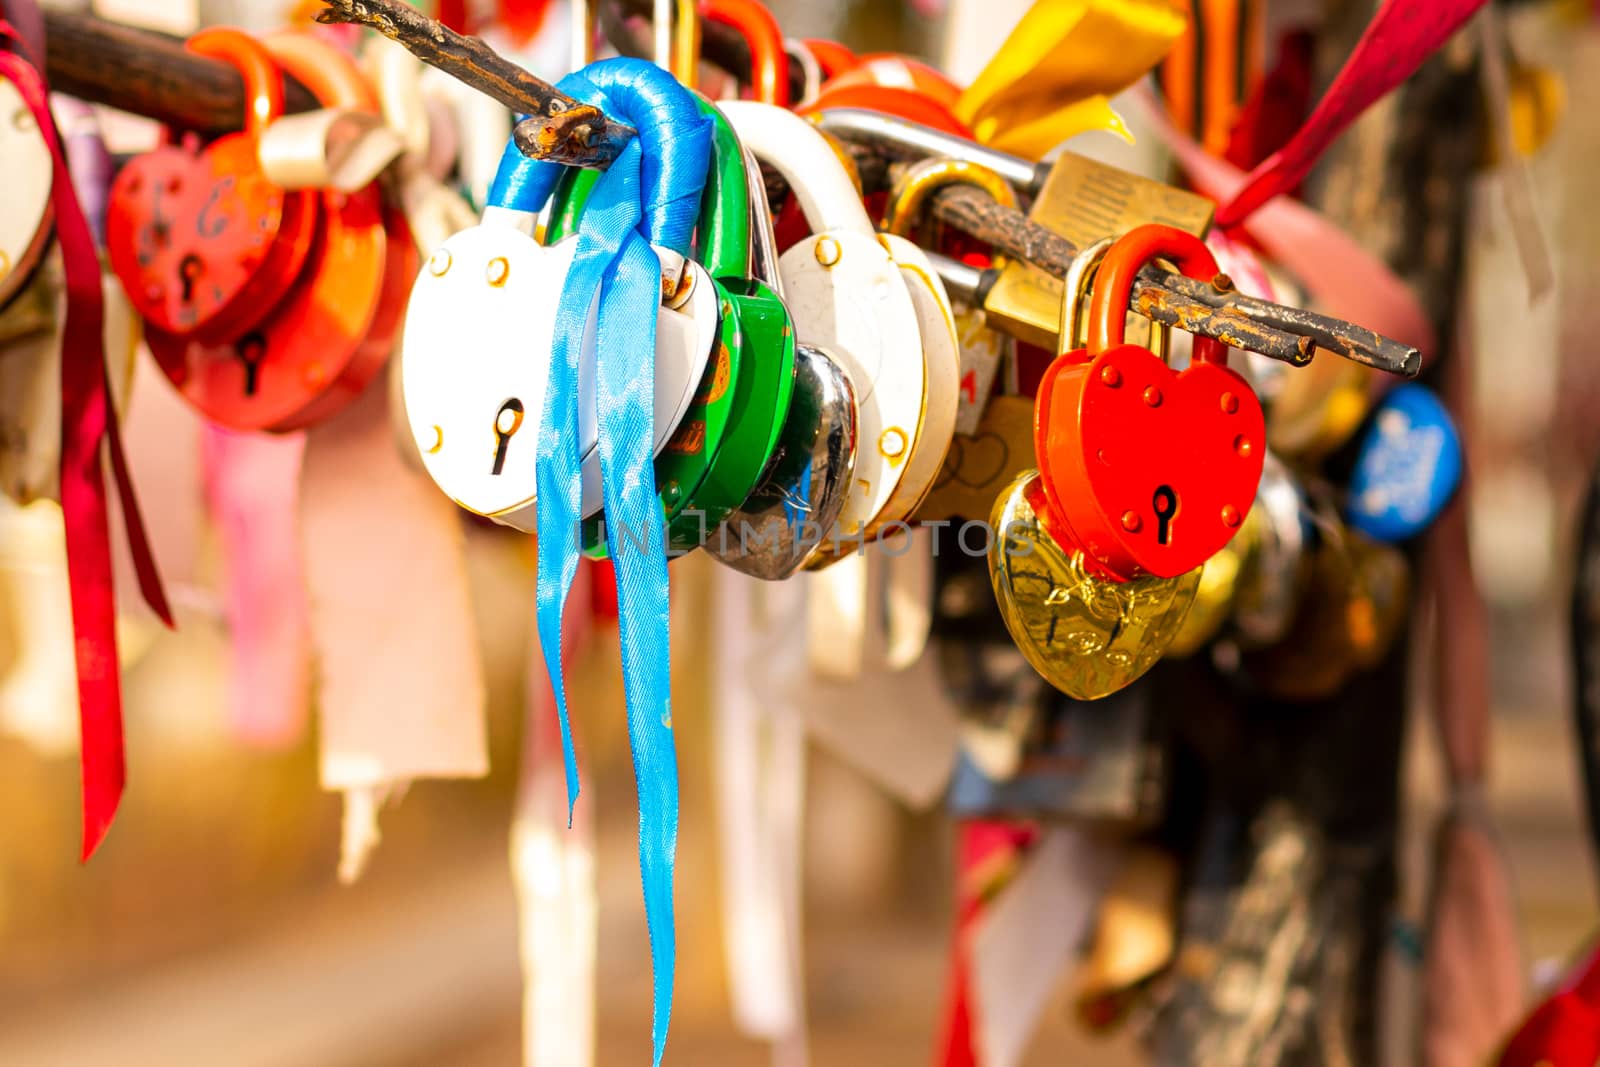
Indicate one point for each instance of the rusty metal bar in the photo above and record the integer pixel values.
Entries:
(151, 74)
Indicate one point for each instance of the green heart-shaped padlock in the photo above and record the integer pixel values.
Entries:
(726, 439)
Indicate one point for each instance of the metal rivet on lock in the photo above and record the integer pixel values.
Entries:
(1152, 396)
(1131, 522)
(498, 271)
(1230, 515)
(892, 442)
(828, 252)
(1242, 445)
(1110, 376)
(1230, 403)
(439, 262)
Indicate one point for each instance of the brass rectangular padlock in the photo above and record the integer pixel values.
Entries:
(1077, 197)
(1084, 200)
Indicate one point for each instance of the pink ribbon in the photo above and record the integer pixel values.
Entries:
(86, 421)
(253, 489)
(1400, 37)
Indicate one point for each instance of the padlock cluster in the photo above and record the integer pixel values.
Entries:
(751, 334)
(269, 307)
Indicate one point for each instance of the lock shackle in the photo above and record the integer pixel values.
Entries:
(263, 83)
(724, 226)
(1075, 288)
(677, 39)
(807, 160)
(1122, 263)
(810, 68)
(329, 72)
(763, 237)
(862, 124)
(768, 61)
(833, 57)
(926, 177)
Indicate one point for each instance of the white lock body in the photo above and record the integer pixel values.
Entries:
(479, 334)
(848, 297)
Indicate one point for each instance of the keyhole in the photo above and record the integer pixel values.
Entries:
(190, 267)
(507, 421)
(1165, 503)
(251, 350)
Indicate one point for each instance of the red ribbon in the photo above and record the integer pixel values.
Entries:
(984, 846)
(1563, 1031)
(86, 421)
(1400, 37)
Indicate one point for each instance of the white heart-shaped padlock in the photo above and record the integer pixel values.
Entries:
(848, 296)
(25, 209)
(479, 332)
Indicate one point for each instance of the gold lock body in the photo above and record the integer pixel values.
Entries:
(1083, 200)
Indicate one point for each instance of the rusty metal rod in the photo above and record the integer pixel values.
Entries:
(151, 74)
(565, 130)
(1281, 332)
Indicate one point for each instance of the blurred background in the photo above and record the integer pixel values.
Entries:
(211, 927)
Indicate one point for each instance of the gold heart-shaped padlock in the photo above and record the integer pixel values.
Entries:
(1087, 636)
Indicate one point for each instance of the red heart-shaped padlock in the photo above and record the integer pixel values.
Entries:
(333, 331)
(202, 241)
(1147, 470)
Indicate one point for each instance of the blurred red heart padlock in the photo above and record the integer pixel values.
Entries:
(333, 331)
(203, 242)
(1147, 470)
(847, 90)
(832, 57)
(889, 70)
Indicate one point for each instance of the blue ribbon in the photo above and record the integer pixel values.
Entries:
(649, 195)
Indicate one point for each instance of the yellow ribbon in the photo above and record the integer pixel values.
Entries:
(1054, 76)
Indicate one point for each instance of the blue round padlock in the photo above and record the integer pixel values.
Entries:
(1408, 467)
